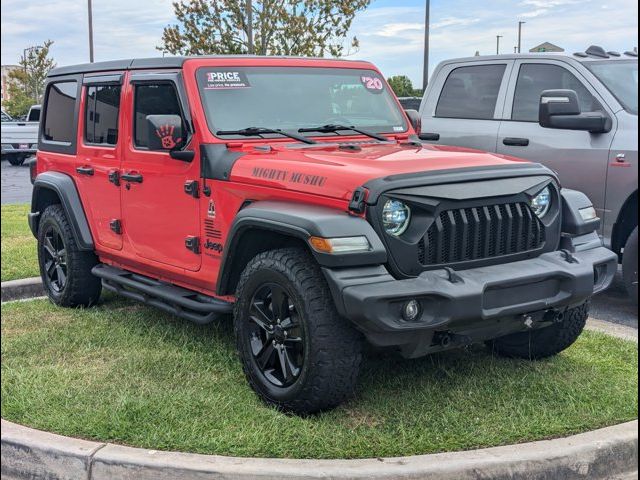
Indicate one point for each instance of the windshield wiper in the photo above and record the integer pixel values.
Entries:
(338, 128)
(258, 131)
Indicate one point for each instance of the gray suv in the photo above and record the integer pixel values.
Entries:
(577, 114)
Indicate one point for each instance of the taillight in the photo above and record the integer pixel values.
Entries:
(32, 169)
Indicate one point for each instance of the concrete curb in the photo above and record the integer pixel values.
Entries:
(602, 454)
(21, 289)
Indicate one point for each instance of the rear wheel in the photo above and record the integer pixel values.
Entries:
(297, 353)
(65, 270)
(545, 342)
(630, 265)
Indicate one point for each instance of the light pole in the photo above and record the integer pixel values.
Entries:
(90, 15)
(520, 36)
(250, 48)
(425, 71)
(498, 37)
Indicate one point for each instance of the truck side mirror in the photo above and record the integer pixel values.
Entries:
(414, 119)
(560, 109)
(164, 132)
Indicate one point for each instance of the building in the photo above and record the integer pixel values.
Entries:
(546, 47)
(5, 79)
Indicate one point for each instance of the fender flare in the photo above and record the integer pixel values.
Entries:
(301, 222)
(64, 187)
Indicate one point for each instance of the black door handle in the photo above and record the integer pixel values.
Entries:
(434, 137)
(131, 177)
(85, 171)
(516, 142)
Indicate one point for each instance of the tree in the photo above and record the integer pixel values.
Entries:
(403, 87)
(279, 27)
(26, 84)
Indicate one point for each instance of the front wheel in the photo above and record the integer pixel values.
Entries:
(65, 270)
(297, 353)
(545, 342)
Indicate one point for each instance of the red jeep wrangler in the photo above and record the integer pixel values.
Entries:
(293, 193)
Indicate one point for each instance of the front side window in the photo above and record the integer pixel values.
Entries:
(101, 114)
(59, 122)
(34, 115)
(153, 99)
(471, 92)
(294, 98)
(534, 78)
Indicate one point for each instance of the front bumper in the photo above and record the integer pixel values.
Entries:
(493, 298)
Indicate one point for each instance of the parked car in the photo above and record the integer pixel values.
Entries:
(410, 103)
(576, 114)
(20, 139)
(294, 194)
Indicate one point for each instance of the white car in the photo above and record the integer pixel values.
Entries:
(20, 139)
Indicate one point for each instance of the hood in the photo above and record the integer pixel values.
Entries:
(336, 171)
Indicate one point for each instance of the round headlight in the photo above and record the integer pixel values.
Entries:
(395, 217)
(541, 202)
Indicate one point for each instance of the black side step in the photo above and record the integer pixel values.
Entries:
(179, 301)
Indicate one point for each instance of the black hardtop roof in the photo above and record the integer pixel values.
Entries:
(155, 62)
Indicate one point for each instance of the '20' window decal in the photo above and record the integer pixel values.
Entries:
(372, 84)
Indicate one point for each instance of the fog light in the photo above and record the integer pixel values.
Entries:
(411, 310)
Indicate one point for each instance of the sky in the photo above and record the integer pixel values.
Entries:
(391, 32)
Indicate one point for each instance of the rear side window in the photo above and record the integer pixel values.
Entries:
(59, 123)
(101, 114)
(471, 92)
(34, 115)
(153, 99)
(534, 78)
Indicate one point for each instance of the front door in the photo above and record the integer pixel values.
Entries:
(161, 220)
(580, 158)
(99, 156)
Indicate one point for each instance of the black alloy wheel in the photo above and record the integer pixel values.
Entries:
(55, 259)
(275, 335)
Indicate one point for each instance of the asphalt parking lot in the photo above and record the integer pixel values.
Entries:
(612, 306)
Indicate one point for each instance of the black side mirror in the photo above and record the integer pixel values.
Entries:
(414, 119)
(164, 132)
(560, 109)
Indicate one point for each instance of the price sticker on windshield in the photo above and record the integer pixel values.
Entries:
(372, 84)
(226, 80)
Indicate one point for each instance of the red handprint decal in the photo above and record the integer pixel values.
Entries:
(165, 133)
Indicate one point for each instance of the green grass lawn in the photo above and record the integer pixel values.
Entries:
(19, 257)
(129, 374)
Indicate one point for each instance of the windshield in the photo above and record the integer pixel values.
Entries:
(621, 78)
(291, 99)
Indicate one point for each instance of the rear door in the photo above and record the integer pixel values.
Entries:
(580, 158)
(99, 156)
(465, 104)
(159, 216)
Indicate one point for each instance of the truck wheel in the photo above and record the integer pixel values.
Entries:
(16, 160)
(545, 342)
(65, 270)
(630, 265)
(296, 351)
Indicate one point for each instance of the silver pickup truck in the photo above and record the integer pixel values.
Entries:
(577, 114)
(20, 139)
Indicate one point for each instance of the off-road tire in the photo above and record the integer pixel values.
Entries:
(81, 288)
(544, 342)
(332, 348)
(630, 265)
(16, 160)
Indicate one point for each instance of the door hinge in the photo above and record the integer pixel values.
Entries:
(114, 177)
(192, 243)
(191, 188)
(357, 204)
(116, 226)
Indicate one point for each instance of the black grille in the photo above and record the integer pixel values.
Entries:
(477, 233)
